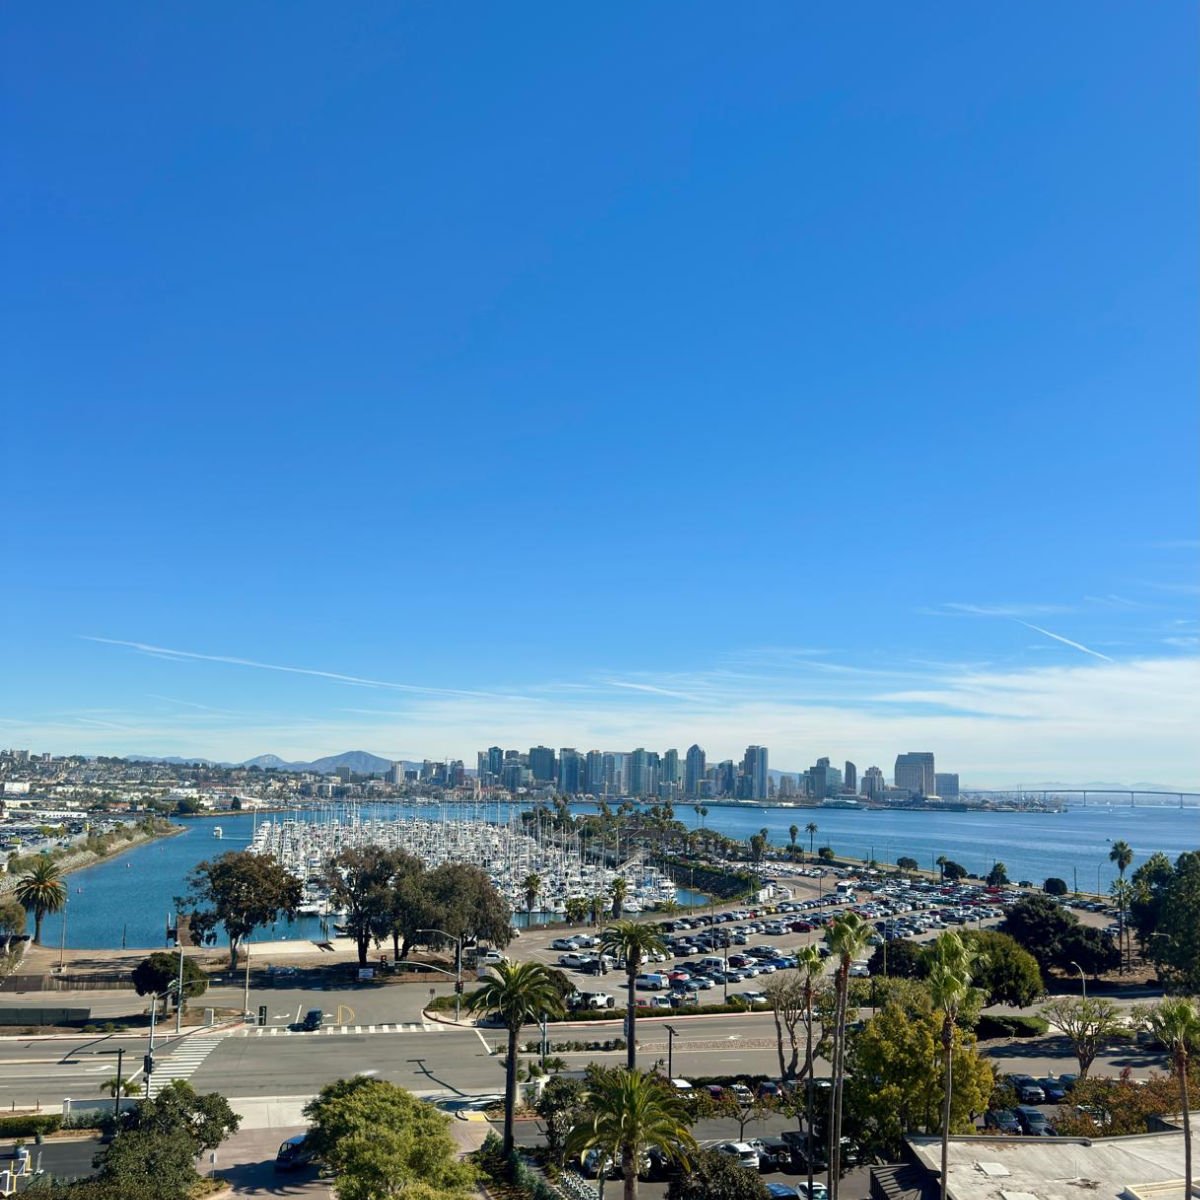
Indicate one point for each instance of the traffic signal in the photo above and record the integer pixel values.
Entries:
(262, 1014)
(458, 986)
(148, 1064)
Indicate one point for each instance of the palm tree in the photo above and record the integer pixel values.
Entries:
(41, 891)
(847, 939)
(519, 993)
(618, 890)
(812, 831)
(811, 966)
(1121, 854)
(632, 1113)
(531, 885)
(949, 987)
(1176, 1023)
(632, 942)
(793, 833)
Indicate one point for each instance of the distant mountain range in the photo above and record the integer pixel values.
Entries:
(359, 761)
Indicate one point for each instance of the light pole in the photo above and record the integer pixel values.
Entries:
(246, 984)
(179, 994)
(457, 967)
(671, 1036)
(1082, 979)
(148, 1065)
(62, 943)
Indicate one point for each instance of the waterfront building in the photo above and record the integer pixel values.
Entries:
(594, 773)
(787, 787)
(873, 783)
(669, 772)
(850, 777)
(754, 767)
(824, 780)
(495, 761)
(694, 771)
(947, 785)
(396, 774)
(727, 777)
(915, 774)
(639, 772)
(570, 771)
(541, 763)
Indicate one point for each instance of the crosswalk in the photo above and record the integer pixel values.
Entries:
(182, 1062)
(335, 1030)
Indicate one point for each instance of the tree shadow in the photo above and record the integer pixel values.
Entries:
(261, 1179)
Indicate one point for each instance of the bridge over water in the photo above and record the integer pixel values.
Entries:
(1105, 796)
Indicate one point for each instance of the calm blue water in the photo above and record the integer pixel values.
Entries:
(127, 900)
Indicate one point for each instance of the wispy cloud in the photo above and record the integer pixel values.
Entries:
(1016, 611)
(1066, 641)
(230, 660)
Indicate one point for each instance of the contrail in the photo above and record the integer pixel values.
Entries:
(166, 652)
(1058, 637)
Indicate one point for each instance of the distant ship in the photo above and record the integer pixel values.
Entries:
(839, 802)
(218, 832)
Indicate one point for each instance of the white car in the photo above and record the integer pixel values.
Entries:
(859, 970)
(742, 1152)
(573, 960)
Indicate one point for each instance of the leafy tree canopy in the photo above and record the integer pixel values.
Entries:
(206, 1120)
(150, 1162)
(894, 1083)
(1039, 925)
(383, 1142)
(1166, 914)
(153, 975)
(1007, 973)
(1055, 886)
(715, 1176)
(240, 891)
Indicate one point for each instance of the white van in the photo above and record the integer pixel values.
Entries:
(651, 983)
(713, 962)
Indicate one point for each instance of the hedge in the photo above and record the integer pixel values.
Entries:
(1010, 1027)
(30, 1125)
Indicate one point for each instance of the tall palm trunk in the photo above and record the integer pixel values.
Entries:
(947, 1076)
(835, 1092)
(629, 1168)
(1181, 1064)
(631, 1010)
(808, 1058)
(37, 926)
(510, 1089)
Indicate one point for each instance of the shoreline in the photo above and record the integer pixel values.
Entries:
(79, 860)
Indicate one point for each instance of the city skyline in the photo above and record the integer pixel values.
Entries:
(823, 385)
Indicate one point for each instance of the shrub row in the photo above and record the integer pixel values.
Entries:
(30, 1125)
(1012, 1026)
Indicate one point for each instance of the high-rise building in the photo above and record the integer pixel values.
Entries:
(570, 771)
(594, 773)
(639, 773)
(947, 785)
(824, 780)
(693, 771)
(850, 778)
(915, 774)
(495, 761)
(754, 767)
(669, 769)
(873, 783)
(396, 774)
(727, 776)
(541, 763)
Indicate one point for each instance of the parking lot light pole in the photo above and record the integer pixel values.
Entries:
(458, 985)
(1082, 979)
(671, 1036)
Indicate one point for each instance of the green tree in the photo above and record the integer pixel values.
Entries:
(1055, 886)
(1174, 944)
(907, 863)
(561, 1107)
(617, 890)
(531, 886)
(1038, 925)
(949, 988)
(895, 1084)
(901, 959)
(157, 1164)
(758, 847)
(952, 872)
(360, 883)
(154, 975)
(1088, 1025)
(383, 1143)
(631, 1114)
(631, 942)
(1150, 883)
(847, 938)
(13, 919)
(178, 1108)
(1176, 1023)
(519, 993)
(1004, 972)
(711, 1175)
(1087, 947)
(466, 904)
(790, 997)
(812, 831)
(241, 891)
(998, 875)
(825, 854)
(41, 890)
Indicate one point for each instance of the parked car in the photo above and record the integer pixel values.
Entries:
(742, 1153)
(1054, 1089)
(1003, 1120)
(313, 1020)
(818, 1191)
(741, 1093)
(774, 1154)
(1034, 1122)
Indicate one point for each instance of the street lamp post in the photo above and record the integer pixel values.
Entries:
(62, 943)
(148, 1065)
(457, 967)
(671, 1036)
(1082, 979)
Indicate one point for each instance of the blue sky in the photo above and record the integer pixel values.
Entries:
(604, 376)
